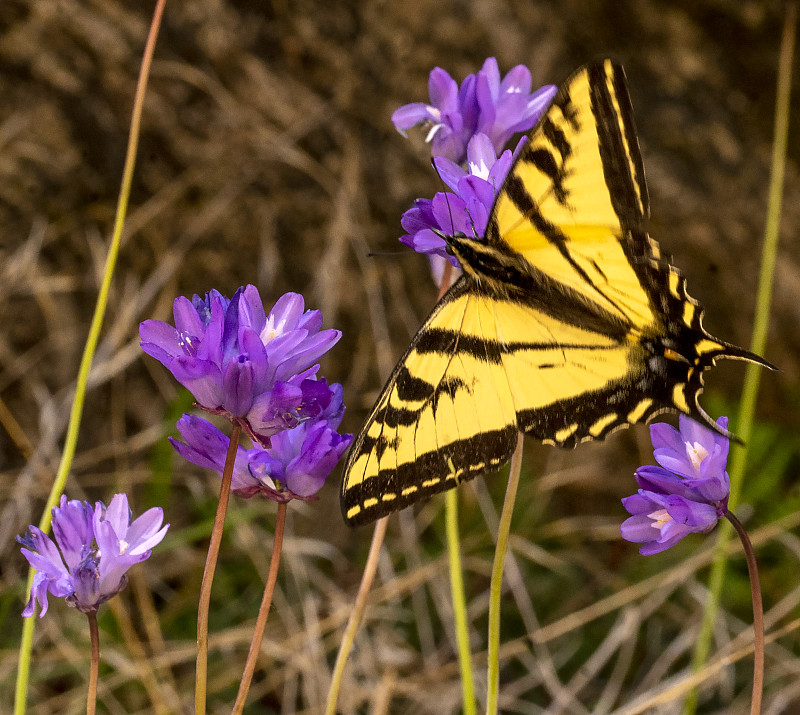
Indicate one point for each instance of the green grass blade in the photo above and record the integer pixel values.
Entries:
(744, 425)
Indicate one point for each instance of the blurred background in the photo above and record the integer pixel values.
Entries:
(267, 156)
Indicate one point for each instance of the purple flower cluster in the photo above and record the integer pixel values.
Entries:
(469, 124)
(464, 211)
(484, 104)
(93, 549)
(256, 369)
(687, 493)
(295, 465)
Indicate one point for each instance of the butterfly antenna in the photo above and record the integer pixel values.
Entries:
(389, 254)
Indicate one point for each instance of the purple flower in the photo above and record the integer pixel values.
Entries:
(507, 106)
(661, 521)
(295, 465)
(452, 114)
(93, 549)
(240, 362)
(687, 493)
(467, 210)
(484, 103)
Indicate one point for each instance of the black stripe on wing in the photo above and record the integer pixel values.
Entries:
(433, 472)
(622, 161)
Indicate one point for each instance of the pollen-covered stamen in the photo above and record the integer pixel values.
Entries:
(188, 342)
(660, 518)
(696, 453)
(270, 330)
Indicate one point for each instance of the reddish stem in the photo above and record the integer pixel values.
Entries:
(94, 637)
(263, 612)
(758, 615)
(204, 605)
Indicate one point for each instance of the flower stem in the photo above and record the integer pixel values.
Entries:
(94, 667)
(82, 381)
(263, 612)
(204, 605)
(757, 342)
(456, 571)
(355, 615)
(459, 602)
(496, 587)
(758, 615)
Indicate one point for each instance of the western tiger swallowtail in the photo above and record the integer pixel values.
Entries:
(567, 324)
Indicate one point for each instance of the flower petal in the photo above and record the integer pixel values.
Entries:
(443, 90)
(410, 115)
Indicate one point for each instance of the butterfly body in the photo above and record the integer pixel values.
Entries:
(567, 323)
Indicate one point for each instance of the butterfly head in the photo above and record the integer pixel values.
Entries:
(495, 267)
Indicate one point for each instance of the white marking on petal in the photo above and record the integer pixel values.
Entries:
(660, 519)
(696, 453)
(481, 170)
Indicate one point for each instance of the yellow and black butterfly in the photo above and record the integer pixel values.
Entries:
(567, 324)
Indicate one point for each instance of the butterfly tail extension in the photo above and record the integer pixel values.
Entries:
(707, 349)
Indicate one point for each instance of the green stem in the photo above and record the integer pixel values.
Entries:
(758, 615)
(456, 571)
(263, 612)
(356, 614)
(459, 602)
(71, 438)
(204, 604)
(496, 587)
(744, 425)
(94, 667)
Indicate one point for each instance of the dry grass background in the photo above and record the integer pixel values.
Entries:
(267, 156)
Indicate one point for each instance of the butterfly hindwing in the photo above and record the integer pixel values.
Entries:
(445, 415)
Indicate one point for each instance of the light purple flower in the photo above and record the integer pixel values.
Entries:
(661, 521)
(687, 493)
(93, 549)
(466, 211)
(295, 465)
(483, 104)
(452, 114)
(507, 106)
(240, 362)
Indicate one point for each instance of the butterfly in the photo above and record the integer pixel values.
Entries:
(568, 322)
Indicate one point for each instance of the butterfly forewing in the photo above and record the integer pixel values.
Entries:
(575, 202)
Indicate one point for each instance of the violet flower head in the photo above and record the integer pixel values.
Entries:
(256, 369)
(93, 549)
(452, 114)
(508, 106)
(484, 103)
(687, 493)
(294, 466)
(466, 210)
